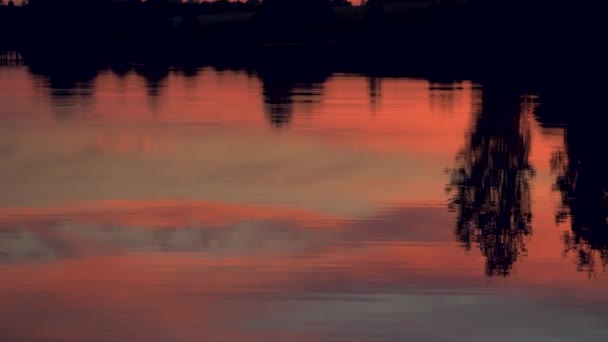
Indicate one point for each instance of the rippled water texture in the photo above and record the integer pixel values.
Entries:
(225, 206)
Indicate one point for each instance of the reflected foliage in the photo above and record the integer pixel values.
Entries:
(278, 101)
(67, 76)
(155, 77)
(443, 95)
(582, 180)
(288, 79)
(374, 89)
(490, 184)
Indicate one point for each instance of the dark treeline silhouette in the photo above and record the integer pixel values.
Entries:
(514, 29)
(467, 39)
(489, 187)
(581, 170)
(107, 23)
(286, 21)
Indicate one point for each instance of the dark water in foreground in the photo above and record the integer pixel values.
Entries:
(221, 206)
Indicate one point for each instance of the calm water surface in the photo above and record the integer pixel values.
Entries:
(229, 206)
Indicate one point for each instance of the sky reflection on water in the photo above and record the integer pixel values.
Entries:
(229, 206)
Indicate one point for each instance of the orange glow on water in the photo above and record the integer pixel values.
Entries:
(188, 213)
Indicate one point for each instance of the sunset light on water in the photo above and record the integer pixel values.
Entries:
(190, 209)
(302, 170)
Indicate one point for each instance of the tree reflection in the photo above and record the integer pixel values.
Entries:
(489, 186)
(66, 75)
(278, 100)
(374, 86)
(582, 179)
(155, 76)
(288, 80)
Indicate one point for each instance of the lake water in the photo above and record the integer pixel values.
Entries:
(228, 206)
